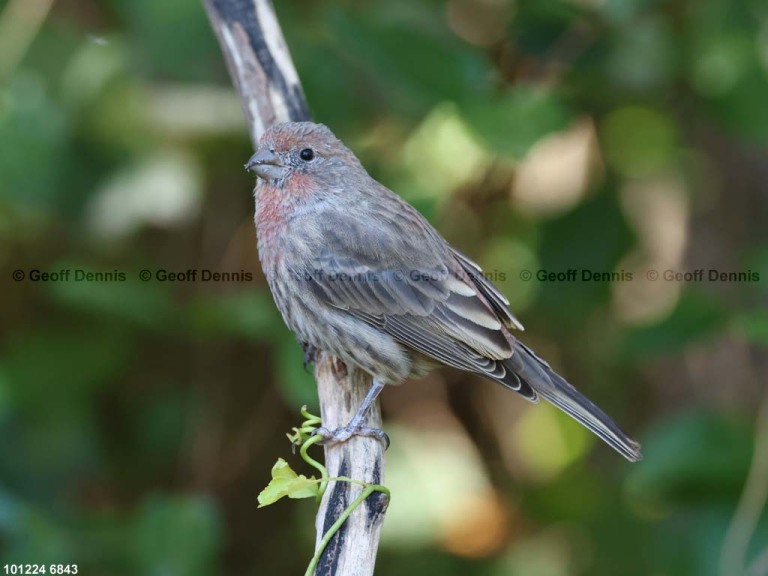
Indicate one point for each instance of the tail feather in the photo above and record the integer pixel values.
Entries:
(536, 375)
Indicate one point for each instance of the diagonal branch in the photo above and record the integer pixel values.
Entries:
(263, 73)
(352, 551)
(259, 63)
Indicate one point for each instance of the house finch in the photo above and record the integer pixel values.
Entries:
(357, 272)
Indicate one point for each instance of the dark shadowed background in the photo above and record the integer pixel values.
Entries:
(139, 419)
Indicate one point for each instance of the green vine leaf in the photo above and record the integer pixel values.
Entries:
(285, 482)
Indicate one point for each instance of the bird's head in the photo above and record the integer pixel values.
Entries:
(293, 152)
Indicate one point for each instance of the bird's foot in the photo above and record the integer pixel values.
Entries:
(310, 354)
(346, 432)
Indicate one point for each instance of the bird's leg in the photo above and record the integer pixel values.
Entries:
(310, 354)
(355, 426)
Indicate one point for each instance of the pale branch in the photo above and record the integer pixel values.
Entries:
(270, 91)
(259, 63)
(352, 551)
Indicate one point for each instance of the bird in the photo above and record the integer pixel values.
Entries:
(360, 274)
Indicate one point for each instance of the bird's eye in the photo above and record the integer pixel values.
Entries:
(307, 154)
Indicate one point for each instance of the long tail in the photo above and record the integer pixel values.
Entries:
(533, 377)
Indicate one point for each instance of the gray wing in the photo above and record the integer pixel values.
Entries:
(396, 273)
(493, 296)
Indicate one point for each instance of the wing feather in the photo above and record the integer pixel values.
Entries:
(412, 288)
(492, 294)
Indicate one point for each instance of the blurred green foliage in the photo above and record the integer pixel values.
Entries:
(139, 420)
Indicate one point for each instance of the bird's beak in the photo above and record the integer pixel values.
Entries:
(266, 165)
